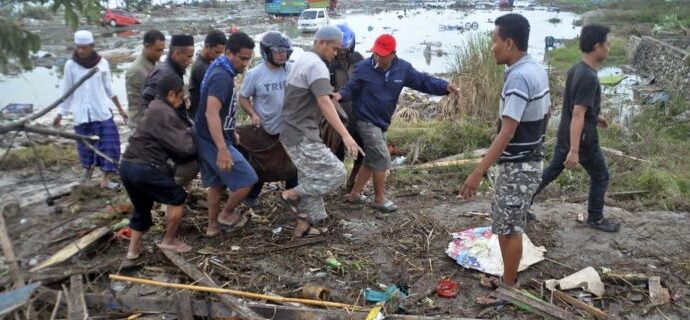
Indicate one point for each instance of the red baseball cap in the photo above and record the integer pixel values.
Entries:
(384, 45)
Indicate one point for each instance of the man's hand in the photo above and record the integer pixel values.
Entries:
(572, 159)
(255, 120)
(352, 146)
(452, 89)
(469, 188)
(602, 123)
(224, 160)
(124, 115)
(336, 96)
(56, 122)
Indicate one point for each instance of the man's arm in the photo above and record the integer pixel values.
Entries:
(331, 115)
(149, 91)
(246, 92)
(249, 109)
(66, 86)
(508, 126)
(353, 87)
(425, 83)
(576, 124)
(213, 106)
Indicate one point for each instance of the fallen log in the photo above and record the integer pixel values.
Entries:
(20, 124)
(238, 293)
(76, 305)
(440, 164)
(68, 135)
(199, 277)
(72, 248)
(208, 309)
(532, 304)
(628, 278)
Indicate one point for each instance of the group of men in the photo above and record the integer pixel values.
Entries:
(333, 87)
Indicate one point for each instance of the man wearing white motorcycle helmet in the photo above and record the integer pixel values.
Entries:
(262, 93)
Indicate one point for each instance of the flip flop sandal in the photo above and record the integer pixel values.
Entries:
(309, 232)
(361, 199)
(292, 204)
(387, 206)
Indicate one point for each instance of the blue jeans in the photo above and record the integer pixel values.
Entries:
(592, 160)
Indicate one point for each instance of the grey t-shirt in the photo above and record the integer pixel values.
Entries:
(266, 87)
(308, 79)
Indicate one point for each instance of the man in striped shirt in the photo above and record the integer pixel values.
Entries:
(519, 146)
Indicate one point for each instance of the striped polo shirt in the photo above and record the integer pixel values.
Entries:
(525, 98)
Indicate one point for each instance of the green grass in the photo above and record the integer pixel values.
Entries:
(51, 154)
(563, 58)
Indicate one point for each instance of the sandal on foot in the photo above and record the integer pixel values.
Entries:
(386, 207)
(361, 199)
(292, 204)
(182, 248)
(310, 232)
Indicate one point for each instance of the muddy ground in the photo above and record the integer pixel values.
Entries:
(406, 248)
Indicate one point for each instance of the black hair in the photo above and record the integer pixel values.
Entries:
(151, 36)
(238, 41)
(214, 38)
(169, 82)
(592, 34)
(516, 27)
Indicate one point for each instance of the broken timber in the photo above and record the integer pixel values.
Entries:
(198, 276)
(596, 312)
(532, 304)
(7, 249)
(208, 309)
(72, 248)
(76, 305)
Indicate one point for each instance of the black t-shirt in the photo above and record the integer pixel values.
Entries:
(198, 71)
(581, 88)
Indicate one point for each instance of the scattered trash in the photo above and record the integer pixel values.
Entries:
(588, 279)
(120, 224)
(16, 110)
(612, 80)
(333, 262)
(277, 231)
(118, 286)
(478, 249)
(376, 313)
(124, 233)
(398, 161)
(315, 292)
(235, 248)
(658, 294)
(447, 288)
(380, 296)
(14, 299)
(635, 297)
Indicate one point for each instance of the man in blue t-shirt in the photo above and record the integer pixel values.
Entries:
(222, 166)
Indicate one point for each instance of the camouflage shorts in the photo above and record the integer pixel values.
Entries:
(515, 185)
(319, 172)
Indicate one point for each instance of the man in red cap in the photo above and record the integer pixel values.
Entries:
(374, 89)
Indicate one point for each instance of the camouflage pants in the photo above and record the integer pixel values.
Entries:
(319, 172)
(515, 184)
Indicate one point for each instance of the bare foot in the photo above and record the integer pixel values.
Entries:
(133, 255)
(234, 220)
(177, 246)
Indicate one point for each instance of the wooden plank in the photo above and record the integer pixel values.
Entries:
(73, 248)
(218, 310)
(11, 300)
(596, 312)
(440, 164)
(532, 304)
(199, 277)
(184, 306)
(6, 244)
(76, 305)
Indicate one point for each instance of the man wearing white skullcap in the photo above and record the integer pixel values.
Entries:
(91, 107)
(307, 100)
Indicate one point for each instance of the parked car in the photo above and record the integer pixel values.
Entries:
(312, 19)
(119, 18)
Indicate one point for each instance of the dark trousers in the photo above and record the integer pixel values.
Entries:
(256, 189)
(592, 160)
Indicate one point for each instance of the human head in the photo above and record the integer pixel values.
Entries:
(594, 41)
(327, 41)
(348, 42)
(170, 89)
(239, 49)
(510, 38)
(384, 51)
(84, 43)
(181, 50)
(214, 44)
(275, 48)
(154, 45)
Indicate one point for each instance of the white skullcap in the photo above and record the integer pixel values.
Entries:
(83, 38)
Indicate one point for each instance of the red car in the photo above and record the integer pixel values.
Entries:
(118, 18)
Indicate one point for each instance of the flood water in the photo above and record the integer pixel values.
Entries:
(42, 86)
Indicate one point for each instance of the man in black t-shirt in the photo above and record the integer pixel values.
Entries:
(214, 46)
(578, 140)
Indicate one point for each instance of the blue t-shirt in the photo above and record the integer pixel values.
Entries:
(220, 85)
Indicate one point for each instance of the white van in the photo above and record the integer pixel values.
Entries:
(312, 19)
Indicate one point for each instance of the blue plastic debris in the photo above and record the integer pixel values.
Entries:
(380, 296)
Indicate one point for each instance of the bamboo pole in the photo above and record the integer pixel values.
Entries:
(237, 293)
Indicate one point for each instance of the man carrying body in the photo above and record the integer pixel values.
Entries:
(162, 135)
(375, 88)
(222, 166)
(578, 139)
(135, 78)
(519, 146)
(90, 106)
(306, 101)
(214, 46)
(265, 85)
